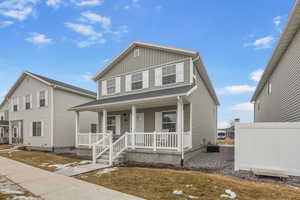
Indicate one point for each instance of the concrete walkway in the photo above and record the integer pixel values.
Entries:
(51, 186)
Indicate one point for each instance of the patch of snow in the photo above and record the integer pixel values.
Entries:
(188, 186)
(44, 164)
(61, 166)
(192, 197)
(84, 162)
(9, 191)
(178, 192)
(23, 198)
(106, 171)
(229, 194)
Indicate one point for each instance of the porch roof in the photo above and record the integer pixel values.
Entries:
(3, 123)
(140, 96)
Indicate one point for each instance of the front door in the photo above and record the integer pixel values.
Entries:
(114, 124)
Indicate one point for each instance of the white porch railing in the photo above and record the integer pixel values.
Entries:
(88, 139)
(138, 140)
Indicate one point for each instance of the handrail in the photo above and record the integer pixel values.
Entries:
(119, 146)
(101, 146)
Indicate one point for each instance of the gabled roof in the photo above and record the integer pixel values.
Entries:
(50, 82)
(134, 44)
(193, 54)
(286, 38)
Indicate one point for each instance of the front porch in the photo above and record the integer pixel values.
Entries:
(4, 132)
(160, 125)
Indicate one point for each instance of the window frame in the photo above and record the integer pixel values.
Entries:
(33, 128)
(113, 124)
(29, 102)
(135, 82)
(110, 87)
(168, 75)
(136, 52)
(15, 104)
(93, 127)
(42, 101)
(163, 122)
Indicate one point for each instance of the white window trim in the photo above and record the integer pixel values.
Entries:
(169, 122)
(42, 129)
(162, 75)
(39, 98)
(136, 82)
(107, 94)
(136, 52)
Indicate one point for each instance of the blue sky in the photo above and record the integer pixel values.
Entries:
(71, 40)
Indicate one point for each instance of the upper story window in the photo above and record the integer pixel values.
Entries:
(36, 128)
(136, 52)
(269, 88)
(111, 86)
(27, 102)
(42, 101)
(15, 104)
(169, 74)
(137, 81)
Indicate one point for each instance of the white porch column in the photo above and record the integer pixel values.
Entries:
(133, 125)
(180, 123)
(76, 127)
(104, 121)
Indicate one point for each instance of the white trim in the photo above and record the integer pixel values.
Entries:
(191, 122)
(180, 72)
(128, 81)
(191, 90)
(52, 117)
(191, 71)
(158, 77)
(104, 88)
(146, 79)
(118, 84)
(136, 52)
(38, 99)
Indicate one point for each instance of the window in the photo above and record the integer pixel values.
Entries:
(36, 128)
(169, 121)
(27, 102)
(111, 86)
(42, 98)
(258, 106)
(137, 81)
(93, 128)
(111, 124)
(136, 53)
(269, 88)
(15, 104)
(169, 74)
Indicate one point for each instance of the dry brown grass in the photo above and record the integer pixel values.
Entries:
(159, 184)
(36, 159)
(226, 141)
(5, 146)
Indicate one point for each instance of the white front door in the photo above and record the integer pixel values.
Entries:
(140, 122)
(114, 124)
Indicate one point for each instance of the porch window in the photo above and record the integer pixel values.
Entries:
(93, 128)
(111, 124)
(169, 121)
(137, 81)
(27, 102)
(111, 86)
(42, 99)
(36, 128)
(169, 74)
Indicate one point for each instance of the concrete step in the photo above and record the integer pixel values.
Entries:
(103, 161)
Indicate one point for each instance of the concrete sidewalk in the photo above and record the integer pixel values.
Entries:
(51, 186)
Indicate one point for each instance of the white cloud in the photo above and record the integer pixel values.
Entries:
(17, 9)
(256, 75)
(247, 106)
(87, 77)
(53, 3)
(262, 43)
(86, 30)
(4, 24)
(236, 89)
(37, 38)
(277, 20)
(222, 125)
(88, 2)
(94, 18)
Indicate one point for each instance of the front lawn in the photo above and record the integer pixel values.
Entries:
(47, 161)
(5, 146)
(167, 184)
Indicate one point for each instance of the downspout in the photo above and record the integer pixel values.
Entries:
(52, 117)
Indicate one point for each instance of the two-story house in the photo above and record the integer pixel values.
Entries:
(277, 96)
(34, 113)
(157, 104)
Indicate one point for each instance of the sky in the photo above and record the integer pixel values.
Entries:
(71, 40)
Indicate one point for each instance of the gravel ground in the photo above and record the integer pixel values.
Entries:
(12, 191)
(223, 163)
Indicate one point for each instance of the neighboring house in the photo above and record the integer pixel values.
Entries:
(228, 132)
(277, 97)
(157, 101)
(35, 112)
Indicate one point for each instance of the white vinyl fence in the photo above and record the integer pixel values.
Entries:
(271, 146)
